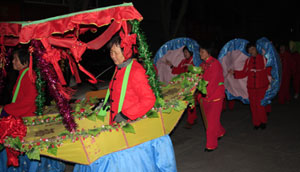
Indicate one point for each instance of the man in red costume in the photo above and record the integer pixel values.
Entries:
(24, 92)
(211, 103)
(139, 97)
(287, 63)
(257, 84)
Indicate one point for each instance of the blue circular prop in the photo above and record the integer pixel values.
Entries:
(174, 44)
(272, 60)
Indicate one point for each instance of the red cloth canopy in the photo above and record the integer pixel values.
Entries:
(52, 31)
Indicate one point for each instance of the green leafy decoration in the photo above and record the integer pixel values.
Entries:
(145, 54)
(159, 102)
(64, 133)
(202, 86)
(52, 149)
(190, 98)
(179, 106)
(128, 128)
(77, 107)
(16, 143)
(33, 154)
(92, 117)
(40, 87)
(152, 114)
(100, 117)
(195, 69)
(94, 132)
(176, 78)
(167, 110)
(184, 83)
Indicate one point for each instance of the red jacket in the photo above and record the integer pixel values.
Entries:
(183, 66)
(25, 102)
(213, 73)
(139, 97)
(256, 71)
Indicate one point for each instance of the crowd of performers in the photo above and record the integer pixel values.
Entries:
(214, 102)
(140, 97)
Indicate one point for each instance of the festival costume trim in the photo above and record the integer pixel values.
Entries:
(18, 85)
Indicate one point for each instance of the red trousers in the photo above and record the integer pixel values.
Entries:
(192, 115)
(268, 108)
(212, 112)
(296, 82)
(230, 104)
(284, 91)
(259, 114)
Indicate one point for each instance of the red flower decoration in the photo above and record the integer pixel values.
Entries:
(126, 44)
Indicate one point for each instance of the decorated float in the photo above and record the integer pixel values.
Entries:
(233, 56)
(76, 132)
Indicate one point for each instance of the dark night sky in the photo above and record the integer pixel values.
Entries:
(209, 20)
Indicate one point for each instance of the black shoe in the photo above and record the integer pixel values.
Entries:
(256, 127)
(208, 150)
(219, 138)
(263, 126)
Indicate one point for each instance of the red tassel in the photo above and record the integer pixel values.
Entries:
(74, 69)
(67, 92)
(93, 80)
(32, 76)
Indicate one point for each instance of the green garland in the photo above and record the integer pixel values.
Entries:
(40, 87)
(145, 54)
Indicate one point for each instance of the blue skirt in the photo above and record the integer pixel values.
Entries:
(26, 165)
(154, 155)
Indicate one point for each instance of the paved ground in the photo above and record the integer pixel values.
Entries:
(242, 149)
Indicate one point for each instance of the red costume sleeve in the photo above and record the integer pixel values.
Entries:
(25, 102)
(243, 73)
(183, 66)
(141, 88)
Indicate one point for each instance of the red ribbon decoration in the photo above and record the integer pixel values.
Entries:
(92, 79)
(72, 65)
(32, 76)
(14, 127)
(52, 55)
(127, 41)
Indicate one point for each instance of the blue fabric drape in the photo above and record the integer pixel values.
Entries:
(174, 44)
(273, 60)
(26, 165)
(235, 44)
(155, 155)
